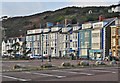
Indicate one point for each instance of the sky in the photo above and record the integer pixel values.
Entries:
(14, 8)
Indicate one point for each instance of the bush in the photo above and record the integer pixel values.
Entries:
(84, 63)
(65, 64)
(99, 63)
(74, 21)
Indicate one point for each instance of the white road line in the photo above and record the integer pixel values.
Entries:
(13, 61)
(5, 70)
(102, 71)
(44, 74)
(76, 69)
(99, 68)
(73, 72)
(20, 79)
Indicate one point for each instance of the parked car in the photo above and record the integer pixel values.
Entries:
(17, 56)
(106, 58)
(45, 56)
(111, 58)
(115, 58)
(35, 57)
(4, 56)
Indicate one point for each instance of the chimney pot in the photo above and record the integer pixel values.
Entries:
(65, 22)
(101, 17)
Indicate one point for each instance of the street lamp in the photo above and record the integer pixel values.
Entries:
(42, 47)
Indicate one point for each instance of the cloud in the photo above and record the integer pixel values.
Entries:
(60, 0)
(83, 4)
(21, 8)
(29, 8)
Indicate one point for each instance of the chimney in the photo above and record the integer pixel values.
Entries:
(65, 22)
(101, 17)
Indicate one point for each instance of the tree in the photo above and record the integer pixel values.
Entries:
(24, 48)
(16, 44)
(16, 47)
(4, 17)
(67, 12)
(26, 52)
(74, 21)
(34, 26)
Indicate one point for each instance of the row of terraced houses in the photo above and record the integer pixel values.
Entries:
(94, 40)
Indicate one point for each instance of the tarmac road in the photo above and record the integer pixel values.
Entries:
(77, 74)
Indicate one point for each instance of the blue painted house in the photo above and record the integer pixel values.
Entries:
(84, 40)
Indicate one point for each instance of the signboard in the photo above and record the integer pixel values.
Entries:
(34, 31)
(95, 51)
(99, 24)
(86, 26)
(38, 31)
(75, 28)
(30, 31)
(46, 30)
(54, 29)
(65, 29)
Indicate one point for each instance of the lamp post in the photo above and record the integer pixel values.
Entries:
(42, 47)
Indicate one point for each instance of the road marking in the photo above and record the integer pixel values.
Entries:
(76, 69)
(99, 68)
(102, 71)
(20, 79)
(13, 61)
(5, 70)
(74, 72)
(44, 74)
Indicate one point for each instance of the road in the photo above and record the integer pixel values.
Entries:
(76, 74)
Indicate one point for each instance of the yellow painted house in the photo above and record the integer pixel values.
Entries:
(115, 38)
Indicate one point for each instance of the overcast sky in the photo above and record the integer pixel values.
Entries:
(28, 7)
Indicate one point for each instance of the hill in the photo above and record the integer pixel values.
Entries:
(17, 26)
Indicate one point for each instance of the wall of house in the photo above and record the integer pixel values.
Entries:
(65, 44)
(84, 43)
(116, 9)
(34, 43)
(54, 42)
(115, 40)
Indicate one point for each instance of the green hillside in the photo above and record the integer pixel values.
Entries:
(17, 26)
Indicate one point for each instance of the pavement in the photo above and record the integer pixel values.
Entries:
(76, 74)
